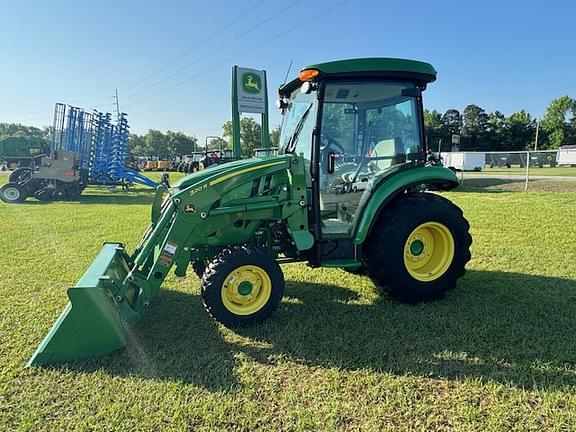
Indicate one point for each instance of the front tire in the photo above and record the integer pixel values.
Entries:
(12, 193)
(199, 267)
(242, 286)
(418, 248)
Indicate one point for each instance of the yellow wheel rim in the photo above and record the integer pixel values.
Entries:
(429, 251)
(246, 290)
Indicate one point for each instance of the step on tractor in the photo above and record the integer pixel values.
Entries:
(344, 123)
(47, 178)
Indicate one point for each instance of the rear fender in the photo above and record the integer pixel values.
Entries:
(383, 192)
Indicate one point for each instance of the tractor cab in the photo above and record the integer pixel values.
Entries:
(355, 122)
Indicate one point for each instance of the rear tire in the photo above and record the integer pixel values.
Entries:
(12, 193)
(419, 248)
(242, 286)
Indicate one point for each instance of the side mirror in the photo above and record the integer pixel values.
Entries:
(281, 104)
(308, 87)
(331, 162)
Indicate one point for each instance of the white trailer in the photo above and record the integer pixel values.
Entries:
(464, 161)
(566, 156)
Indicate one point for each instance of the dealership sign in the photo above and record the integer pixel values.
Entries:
(251, 84)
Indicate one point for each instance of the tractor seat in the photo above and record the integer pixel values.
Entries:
(334, 228)
(385, 148)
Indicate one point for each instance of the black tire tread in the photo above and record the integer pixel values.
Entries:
(376, 250)
(14, 185)
(199, 267)
(221, 266)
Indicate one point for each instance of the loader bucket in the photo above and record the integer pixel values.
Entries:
(93, 323)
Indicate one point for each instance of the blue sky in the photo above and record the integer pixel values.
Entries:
(171, 61)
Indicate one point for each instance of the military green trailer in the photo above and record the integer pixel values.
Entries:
(18, 152)
(237, 223)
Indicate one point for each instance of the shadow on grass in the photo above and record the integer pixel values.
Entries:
(140, 197)
(117, 197)
(510, 328)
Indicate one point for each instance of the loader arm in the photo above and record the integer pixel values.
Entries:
(191, 221)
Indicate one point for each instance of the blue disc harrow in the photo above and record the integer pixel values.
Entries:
(101, 145)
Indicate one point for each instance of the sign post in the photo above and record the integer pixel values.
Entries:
(249, 95)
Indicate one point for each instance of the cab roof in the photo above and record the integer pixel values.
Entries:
(375, 67)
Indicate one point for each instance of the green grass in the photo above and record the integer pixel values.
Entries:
(498, 353)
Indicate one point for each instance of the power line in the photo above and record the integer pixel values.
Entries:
(276, 36)
(52, 104)
(33, 115)
(211, 36)
(219, 48)
(49, 109)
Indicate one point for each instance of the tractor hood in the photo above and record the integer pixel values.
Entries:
(229, 170)
(231, 173)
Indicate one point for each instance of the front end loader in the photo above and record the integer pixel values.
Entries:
(345, 123)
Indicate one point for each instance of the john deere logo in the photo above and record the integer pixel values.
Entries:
(251, 83)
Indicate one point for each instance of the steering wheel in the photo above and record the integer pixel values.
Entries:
(330, 142)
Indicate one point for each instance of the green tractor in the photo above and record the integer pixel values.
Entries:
(345, 122)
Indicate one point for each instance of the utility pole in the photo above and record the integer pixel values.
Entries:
(537, 130)
(117, 106)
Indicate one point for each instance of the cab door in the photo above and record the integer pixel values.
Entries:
(367, 128)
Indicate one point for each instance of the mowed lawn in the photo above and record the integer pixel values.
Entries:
(498, 353)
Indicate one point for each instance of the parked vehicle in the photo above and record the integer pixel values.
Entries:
(464, 161)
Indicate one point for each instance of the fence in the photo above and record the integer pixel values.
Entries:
(542, 170)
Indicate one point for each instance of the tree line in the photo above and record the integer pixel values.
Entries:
(157, 143)
(482, 131)
(170, 144)
(478, 130)
(18, 130)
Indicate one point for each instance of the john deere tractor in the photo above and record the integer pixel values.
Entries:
(344, 123)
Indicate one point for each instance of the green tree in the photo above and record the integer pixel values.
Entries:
(137, 145)
(250, 135)
(218, 144)
(275, 137)
(520, 131)
(156, 143)
(453, 121)
(19, 130)
(179, 143)
(496, 132)
(475, 129)
(436, 131)
(557, 125)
